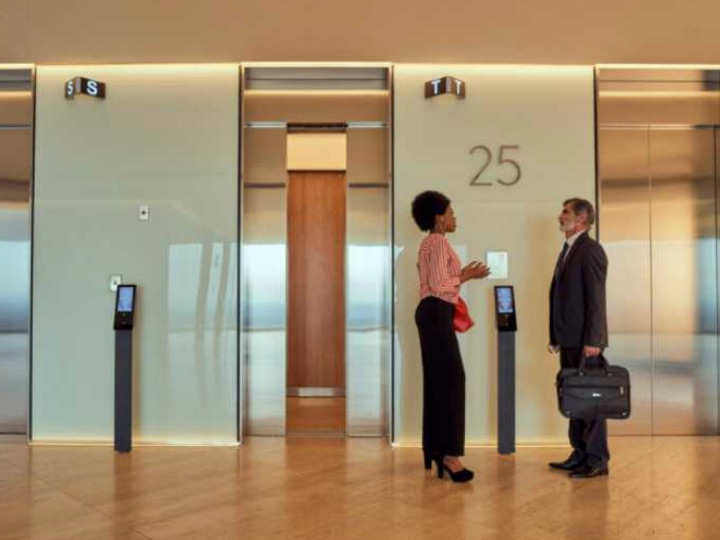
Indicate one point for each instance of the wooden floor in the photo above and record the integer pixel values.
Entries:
(659, 488)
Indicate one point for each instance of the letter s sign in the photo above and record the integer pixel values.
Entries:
(92, 88)
(82, 85)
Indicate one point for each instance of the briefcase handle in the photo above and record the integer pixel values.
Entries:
(602, 363)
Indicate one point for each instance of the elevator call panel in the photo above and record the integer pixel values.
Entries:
(505, 318)
(124, 307)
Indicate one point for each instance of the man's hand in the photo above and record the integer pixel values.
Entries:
(553, 348)
(589, 351)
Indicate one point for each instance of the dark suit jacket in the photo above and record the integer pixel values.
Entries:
(577, 297)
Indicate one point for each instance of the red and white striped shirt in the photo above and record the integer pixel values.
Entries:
(439, 268)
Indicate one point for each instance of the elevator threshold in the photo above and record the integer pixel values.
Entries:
(316, 416)
(315, 391)
(315, 434)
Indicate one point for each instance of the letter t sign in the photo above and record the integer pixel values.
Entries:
(445, 85)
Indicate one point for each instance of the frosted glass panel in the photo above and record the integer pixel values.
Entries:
(163, 140)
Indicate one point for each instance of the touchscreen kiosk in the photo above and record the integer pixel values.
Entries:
(505, 308)
(124, 307)
(506, 323)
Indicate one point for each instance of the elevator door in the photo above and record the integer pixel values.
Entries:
(316, 302)
(16, 157)
(658, 224)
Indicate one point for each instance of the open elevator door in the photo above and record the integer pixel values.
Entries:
(316, 233)
(278, 99)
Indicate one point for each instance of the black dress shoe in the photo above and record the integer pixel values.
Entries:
(570, 464)
(588, 471)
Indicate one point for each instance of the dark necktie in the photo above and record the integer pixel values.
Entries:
(561, 258)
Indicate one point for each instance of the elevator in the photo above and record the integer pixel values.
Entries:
(16, 162)
(658, 159)
(315, 293)
(316, 162)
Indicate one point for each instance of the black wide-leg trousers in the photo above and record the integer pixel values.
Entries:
(587, 437)
(443, 379)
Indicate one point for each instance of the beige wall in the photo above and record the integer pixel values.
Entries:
(501, 31)
(548, 113)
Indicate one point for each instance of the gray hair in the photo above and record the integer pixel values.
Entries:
(582, 206)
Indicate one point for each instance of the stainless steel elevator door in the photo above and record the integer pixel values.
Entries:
(658, 216)
(625, 235)
(16, 156)
(684, 281)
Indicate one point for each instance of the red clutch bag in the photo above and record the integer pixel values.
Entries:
(462, 322)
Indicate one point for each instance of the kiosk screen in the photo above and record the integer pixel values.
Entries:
(124, 307)
(505, 308)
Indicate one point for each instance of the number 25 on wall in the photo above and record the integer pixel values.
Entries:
(502, 160)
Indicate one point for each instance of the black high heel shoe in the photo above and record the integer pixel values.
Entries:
(463, 475)
(428, 459)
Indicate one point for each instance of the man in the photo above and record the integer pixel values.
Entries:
(578, 327)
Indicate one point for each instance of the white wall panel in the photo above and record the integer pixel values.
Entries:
(547, 113)
(166, 137)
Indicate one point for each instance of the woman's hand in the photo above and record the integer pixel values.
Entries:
(474, 270)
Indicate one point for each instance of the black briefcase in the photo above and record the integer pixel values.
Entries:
(600, 391)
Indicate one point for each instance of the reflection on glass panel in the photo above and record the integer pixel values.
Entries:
(202, 343)
(368, 312)
(263, 296)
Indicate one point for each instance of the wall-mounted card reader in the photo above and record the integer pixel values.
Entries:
(124, 307)
(505, 318)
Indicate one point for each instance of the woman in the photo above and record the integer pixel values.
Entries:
(443, 374)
